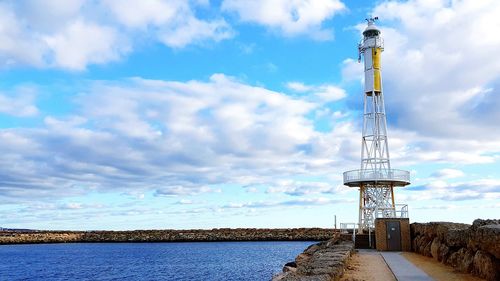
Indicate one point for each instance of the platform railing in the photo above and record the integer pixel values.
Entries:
(379, 175)
(402, 211)
(345, 227)
(399, 211)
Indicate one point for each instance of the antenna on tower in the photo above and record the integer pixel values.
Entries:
(371, 20)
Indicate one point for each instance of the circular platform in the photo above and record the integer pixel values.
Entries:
(394, 177)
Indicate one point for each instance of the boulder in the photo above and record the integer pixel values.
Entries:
(302, 258)
(290, 266)
(427, 249)
(462, 260)
(443, 253)
(321, 261)
(486, 238)
(455, 258)
(439, 251)
(433, 229)
(468, 248)
(417, 229)
(422, 242)
(456, 238)
(486, 266)
(443, 228)
(435, 247)
(289, 269)
(414, 244)
(466, 263)
(479, 222)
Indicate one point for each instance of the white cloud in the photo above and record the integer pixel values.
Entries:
(47, 15)
(135, 194)
(252, 190)
(352, 70)
(488, 189)
(183, 190)
(195, 31)
(439, 89)
(72, 206)
(172, 22)
(448, 174)
(141, 14)
(300, 188)
(185, 202)
(321, 93)
(174, 138)
(286, 203)
(20, 104)
(330, 93)
(16, 45)
(74, 34)
(71, 48)
(437, 83)
(291, 18)
(298, 87)
(437, 207)
(411, 148)
(55, 34)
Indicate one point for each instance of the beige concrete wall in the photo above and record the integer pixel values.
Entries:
(381, 233)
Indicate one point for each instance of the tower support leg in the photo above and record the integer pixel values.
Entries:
(361, 207)
(375, 201)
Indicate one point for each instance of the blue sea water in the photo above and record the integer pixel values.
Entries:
(147, 261)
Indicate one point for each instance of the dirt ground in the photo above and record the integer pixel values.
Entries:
(437, 270)
(369, 266)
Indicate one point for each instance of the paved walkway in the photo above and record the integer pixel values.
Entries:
(403, 269)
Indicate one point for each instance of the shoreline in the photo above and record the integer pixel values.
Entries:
(152, 242)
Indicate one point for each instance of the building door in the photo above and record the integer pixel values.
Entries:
(393, 236)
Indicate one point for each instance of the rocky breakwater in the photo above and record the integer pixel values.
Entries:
(468, 248)
(33, 237)
(324, 261)
(217, 234)
(196, 235)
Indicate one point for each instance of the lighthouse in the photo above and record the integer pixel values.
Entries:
(376, 179)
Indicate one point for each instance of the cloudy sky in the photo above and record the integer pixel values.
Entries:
(234, 113)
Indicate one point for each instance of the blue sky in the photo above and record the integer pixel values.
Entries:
(204, 114)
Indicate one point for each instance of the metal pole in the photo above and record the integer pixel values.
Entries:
(370, 237)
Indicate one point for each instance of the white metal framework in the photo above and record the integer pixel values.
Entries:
(376, 180)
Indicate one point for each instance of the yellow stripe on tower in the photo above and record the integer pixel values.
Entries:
(376, 69)
(376, 80)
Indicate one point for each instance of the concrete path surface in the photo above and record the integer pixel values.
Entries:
(403, 269)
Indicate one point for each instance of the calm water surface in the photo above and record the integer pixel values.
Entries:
(147, 261)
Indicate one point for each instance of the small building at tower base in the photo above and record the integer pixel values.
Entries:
(392, 234)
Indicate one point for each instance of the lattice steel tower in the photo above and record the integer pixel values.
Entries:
(376, 180)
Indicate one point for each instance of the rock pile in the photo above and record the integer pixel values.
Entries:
(323, 261)
(32, 237)
(473, 249)
(193, 235)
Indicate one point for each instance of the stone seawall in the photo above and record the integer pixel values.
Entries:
(324, 261)
(473, 249)
(197, 235)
